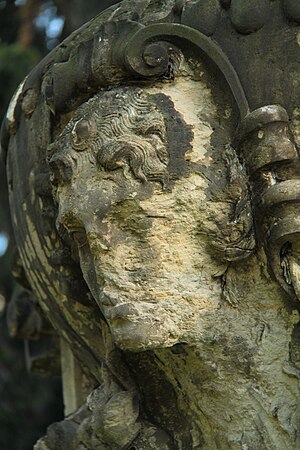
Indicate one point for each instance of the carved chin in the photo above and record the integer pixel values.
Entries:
(140, 327)
(140, 334)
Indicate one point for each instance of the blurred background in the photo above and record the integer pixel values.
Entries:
(28, 30)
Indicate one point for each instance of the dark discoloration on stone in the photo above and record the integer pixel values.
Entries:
(249, 16)
(161, 388)
(225, 3)
(202, 15)
(154, 54)
(179, 137)
(292, 10)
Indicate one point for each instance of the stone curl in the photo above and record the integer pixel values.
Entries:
(115, 128)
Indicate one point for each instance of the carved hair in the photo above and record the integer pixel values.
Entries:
(114, 128)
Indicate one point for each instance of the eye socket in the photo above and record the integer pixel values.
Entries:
(72, 233)
(79, 236)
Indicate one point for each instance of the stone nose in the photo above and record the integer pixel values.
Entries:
(61, 169)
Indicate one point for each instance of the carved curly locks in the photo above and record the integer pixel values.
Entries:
(113, 129)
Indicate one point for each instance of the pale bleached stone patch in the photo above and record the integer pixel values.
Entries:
(191, 98)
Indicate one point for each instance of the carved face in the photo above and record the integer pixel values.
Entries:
(132, 199)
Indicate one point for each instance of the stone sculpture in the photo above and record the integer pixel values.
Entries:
(153, 171)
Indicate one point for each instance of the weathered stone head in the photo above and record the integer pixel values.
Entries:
(146, 178)
(129, 176)
(166, 159)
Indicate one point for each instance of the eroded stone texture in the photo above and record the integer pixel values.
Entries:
(151, 252)
(145, 252)
(142, 239)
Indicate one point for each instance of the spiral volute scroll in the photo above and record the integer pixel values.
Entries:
(160, 41)
(265, 143)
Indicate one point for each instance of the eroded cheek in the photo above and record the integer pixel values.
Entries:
(127, 265)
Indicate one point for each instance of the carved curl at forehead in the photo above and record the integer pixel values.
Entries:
(114, 128)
